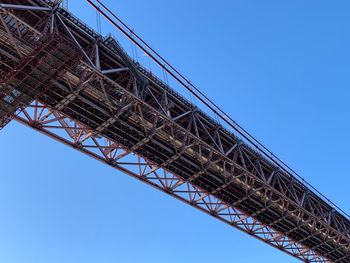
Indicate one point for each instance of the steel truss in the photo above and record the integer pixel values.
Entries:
(109, 107)
(71, 133)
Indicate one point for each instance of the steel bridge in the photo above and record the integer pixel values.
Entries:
(61, 78)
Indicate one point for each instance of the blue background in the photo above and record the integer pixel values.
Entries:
(280, 68)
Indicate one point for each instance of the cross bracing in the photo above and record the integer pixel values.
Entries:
(63, 79)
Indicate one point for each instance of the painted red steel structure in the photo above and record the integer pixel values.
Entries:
(61, 78)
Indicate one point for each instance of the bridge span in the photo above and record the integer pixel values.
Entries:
(63, 79)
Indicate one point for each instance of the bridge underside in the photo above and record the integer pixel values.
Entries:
(61, 78)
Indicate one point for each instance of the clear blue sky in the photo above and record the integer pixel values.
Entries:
(280, 68)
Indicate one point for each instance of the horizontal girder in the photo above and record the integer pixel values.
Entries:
(111, 108)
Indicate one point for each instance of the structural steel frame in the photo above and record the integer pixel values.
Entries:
(71, 133)
(111, 108)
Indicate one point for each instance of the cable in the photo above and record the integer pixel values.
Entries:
(98, 22)
(164, 64)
